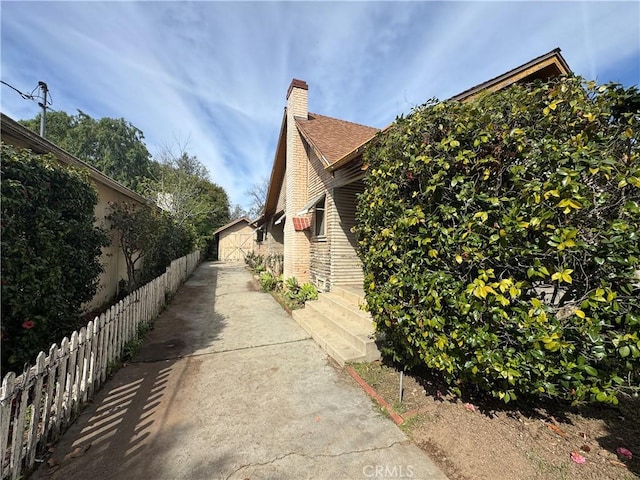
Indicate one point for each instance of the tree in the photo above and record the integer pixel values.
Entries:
(500, 240)
(137, 233)
(149, 240)
(180, 185)
(257, 197)
(237, 212)
(50, 253)
(114, 146)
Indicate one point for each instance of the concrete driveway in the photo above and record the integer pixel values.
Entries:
(228, 386)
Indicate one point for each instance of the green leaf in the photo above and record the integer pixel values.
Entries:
(590, 370)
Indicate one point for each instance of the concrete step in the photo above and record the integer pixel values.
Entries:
(336, 322)
(337, 306)
(354, 328)
(352, 293)
(335, 346)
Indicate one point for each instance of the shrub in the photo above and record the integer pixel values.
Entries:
(297, 295)
(269, 282)
(50, 253)
(500, 240)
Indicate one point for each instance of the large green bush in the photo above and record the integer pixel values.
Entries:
(500, 240)
(50, 253)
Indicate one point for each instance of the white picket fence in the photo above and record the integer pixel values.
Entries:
(38, 405)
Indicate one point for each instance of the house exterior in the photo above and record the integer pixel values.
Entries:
(235, 240)
(310, 209)
(112, 259)
(317, 175)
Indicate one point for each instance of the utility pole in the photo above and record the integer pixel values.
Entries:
(43, 104)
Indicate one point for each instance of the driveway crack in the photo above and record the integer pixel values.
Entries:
(311, 457)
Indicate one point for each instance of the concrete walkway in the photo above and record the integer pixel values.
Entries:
(228, 386)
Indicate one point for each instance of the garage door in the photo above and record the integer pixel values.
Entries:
(234, 246)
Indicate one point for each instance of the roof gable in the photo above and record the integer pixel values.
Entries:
(232, 223)
(551, 64)
(545, 66)
(332, 138)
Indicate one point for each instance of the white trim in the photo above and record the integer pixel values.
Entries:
(279, 220)
(309, 205)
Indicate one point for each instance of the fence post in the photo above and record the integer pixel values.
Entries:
(15, 462)
(36, 411)
(6, 400)
(51, 388)
(61, 384)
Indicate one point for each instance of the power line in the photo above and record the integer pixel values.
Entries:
(26, 96)
(41, 99)
(31, 96)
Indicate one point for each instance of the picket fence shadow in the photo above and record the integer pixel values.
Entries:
(38, 405)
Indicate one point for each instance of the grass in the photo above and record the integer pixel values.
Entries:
(132, 347)
(546, 468)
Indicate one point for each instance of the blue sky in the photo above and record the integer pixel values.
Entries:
(217, 73)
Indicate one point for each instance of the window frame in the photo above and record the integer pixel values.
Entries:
(320, 219)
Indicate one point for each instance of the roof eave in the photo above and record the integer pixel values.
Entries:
(232, 223)
(277, 171)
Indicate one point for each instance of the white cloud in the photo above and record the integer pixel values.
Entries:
(217, 72)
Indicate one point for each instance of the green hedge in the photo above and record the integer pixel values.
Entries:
(500, 240)
(50, 253)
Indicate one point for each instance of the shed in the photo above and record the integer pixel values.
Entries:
(235, 240)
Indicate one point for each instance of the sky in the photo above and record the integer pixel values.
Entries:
(215, 74)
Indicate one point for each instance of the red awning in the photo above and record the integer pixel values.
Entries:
(301, 223)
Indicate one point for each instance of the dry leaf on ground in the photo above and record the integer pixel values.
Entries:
(556, 429)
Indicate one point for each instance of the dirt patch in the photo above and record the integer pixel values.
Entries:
(476, 438)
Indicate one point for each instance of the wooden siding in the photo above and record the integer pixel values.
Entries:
(235, 242)
(319, 179)
(346, 268)
(348, 174)
(275, 237)
(320, 253)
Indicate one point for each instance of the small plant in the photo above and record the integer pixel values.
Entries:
(274, 263)
(296, 295)
(292, 286)
(308, 291)
(132, 347)
(255, 262)
(268, 282)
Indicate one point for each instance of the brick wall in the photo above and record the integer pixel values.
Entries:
(296, 244)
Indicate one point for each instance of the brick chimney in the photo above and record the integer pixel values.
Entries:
(296, 243)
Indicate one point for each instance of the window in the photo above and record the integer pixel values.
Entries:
(319, 223)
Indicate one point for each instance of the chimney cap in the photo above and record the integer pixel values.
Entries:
(295, 83)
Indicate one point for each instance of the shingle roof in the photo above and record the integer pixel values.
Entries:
(331, 137)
